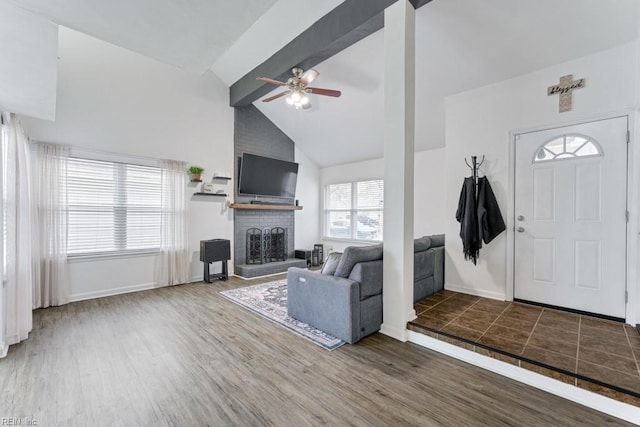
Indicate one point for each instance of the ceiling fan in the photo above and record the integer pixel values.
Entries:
(298, 88)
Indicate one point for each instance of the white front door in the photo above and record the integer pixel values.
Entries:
(570, 217)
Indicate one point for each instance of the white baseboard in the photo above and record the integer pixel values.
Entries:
(201, 278)
(4, 349)
(477, 292)
(587, 398)
(393, 332)
(123, 290)
(113, 291)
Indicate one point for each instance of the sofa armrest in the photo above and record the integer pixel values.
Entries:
(329, 303)
(438, 268)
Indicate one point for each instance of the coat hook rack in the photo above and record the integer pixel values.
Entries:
(474, 166)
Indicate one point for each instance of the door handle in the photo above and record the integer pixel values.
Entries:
(520, 218)
(520, 229)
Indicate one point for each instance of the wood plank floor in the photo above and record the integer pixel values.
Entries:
(186, 356)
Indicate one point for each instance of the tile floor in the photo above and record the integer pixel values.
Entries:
(599, 355)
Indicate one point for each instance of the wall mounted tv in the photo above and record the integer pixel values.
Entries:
(263, 176)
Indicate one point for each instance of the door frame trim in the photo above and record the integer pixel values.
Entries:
(633, 204)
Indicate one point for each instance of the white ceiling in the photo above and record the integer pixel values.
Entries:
(273, 30)
(460, 45)
(190, 34)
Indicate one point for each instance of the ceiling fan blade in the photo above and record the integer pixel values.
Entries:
(271, 98)
(271, 81)
(309, 76)
(325, 92)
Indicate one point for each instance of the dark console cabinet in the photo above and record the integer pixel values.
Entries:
(213, 251)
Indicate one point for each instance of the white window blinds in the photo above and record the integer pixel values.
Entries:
(354, 210)
(112, 207)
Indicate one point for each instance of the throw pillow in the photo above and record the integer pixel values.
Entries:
(355, 254)
(330, 265)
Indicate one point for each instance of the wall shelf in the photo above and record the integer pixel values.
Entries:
(196, 180)
(263, 207)
(211, 194)
(224, 178)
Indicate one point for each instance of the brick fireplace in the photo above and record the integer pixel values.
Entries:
(254, 133)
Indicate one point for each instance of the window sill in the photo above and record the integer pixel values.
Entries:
(342, 239)
(111, 255)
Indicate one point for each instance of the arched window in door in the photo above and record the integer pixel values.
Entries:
(567, 147)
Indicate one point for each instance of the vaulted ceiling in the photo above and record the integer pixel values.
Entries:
(460, 45)
(231, 37)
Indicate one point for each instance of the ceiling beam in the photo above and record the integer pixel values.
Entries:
(417, 4)
(345, 25)
(348, 23)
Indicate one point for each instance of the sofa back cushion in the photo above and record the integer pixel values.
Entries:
(421, 244)
(437, 240)
(330, 265)
(355, 254)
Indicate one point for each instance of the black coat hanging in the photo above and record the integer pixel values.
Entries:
(478, 213)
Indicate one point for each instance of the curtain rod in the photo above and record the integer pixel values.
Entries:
(82, 151)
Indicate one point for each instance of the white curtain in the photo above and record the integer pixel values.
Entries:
(51, 284)
(17, 233)
(173, 263)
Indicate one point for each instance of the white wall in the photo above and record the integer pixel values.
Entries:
(307, 220)
(3, 315)
(114, 100)
(478, 122)
(429, 209)
(28, 65)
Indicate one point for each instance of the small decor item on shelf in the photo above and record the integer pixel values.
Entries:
(208, 187)
(196, 172)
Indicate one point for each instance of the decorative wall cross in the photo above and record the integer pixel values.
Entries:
(564, 89)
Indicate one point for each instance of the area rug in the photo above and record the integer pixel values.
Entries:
(269, 300)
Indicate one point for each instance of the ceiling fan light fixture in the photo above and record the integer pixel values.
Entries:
(298, 88)
(296, 96)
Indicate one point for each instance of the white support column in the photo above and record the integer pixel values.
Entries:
(399, 126)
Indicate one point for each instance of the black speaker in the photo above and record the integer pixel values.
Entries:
(215, 250)
(306, 255)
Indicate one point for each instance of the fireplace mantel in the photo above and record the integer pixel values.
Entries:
(263, 207)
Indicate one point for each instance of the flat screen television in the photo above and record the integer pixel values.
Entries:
(263, 176)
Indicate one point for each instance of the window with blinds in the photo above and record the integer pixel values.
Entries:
(112, 207)
(354, 210)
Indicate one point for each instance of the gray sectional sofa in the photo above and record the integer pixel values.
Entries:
(344, 299)
(428, 266)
